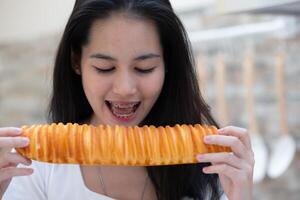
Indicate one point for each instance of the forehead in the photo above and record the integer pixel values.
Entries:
(125, 34)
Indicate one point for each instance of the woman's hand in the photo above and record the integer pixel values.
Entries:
(234, 169)
(9, 160)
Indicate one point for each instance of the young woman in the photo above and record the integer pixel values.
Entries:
(128, 62)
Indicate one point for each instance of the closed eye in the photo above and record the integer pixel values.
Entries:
(104, 70)
(144, 71)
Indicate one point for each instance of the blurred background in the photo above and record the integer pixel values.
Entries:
(247, 57)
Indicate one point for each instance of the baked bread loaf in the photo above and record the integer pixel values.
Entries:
(117, 145)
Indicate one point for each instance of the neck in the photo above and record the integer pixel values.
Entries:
(124, 173)
(121, 182)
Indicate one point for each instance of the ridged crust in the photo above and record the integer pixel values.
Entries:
(117, 145)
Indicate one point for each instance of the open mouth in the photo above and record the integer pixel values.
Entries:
(123, 110)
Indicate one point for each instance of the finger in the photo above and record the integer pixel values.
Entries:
(10, 165)
(9, 172)
(241, 133)
(235, 175)
(10, 131)
(14, 158)
(226, 158)
(235, 143)
(12, 142)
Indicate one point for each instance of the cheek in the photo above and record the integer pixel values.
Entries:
(88, 84)
(94, 86)
(152, 87)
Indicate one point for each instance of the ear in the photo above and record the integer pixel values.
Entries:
(77, 69)
(75, 62)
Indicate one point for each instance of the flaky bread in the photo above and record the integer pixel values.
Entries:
(117, 145)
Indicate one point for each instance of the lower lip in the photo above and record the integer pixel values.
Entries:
(119, 119)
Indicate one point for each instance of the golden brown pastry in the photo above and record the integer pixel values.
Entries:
(117, 145)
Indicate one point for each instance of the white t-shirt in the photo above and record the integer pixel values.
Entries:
(51, 182)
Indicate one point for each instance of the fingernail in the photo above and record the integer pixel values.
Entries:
(17, 130)
(200, 157)
(29, 171)
(205, 170)
(25, 141)
(207, 138)
(220, 131)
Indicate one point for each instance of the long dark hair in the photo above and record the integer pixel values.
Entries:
(180, 101)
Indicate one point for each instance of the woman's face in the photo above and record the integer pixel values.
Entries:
(122, 69)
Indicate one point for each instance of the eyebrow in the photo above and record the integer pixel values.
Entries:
(139, 58)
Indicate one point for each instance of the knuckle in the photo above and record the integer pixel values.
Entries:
(230, 157)
(247, 173)
(229, 127)
(244, 133)
(248, 169)
(17, 142)
(224, 168)
(252, 153)
(5, 159)
(11, 159)
(7, 129)
(12, 142)
(251, 158)
(9, 172)
(235, 141)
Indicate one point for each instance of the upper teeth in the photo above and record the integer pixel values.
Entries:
(123, 105)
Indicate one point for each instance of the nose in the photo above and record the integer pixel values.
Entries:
(124, 84)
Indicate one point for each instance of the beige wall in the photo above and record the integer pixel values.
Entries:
(238, 5)
(26, 20)
(30, 19)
